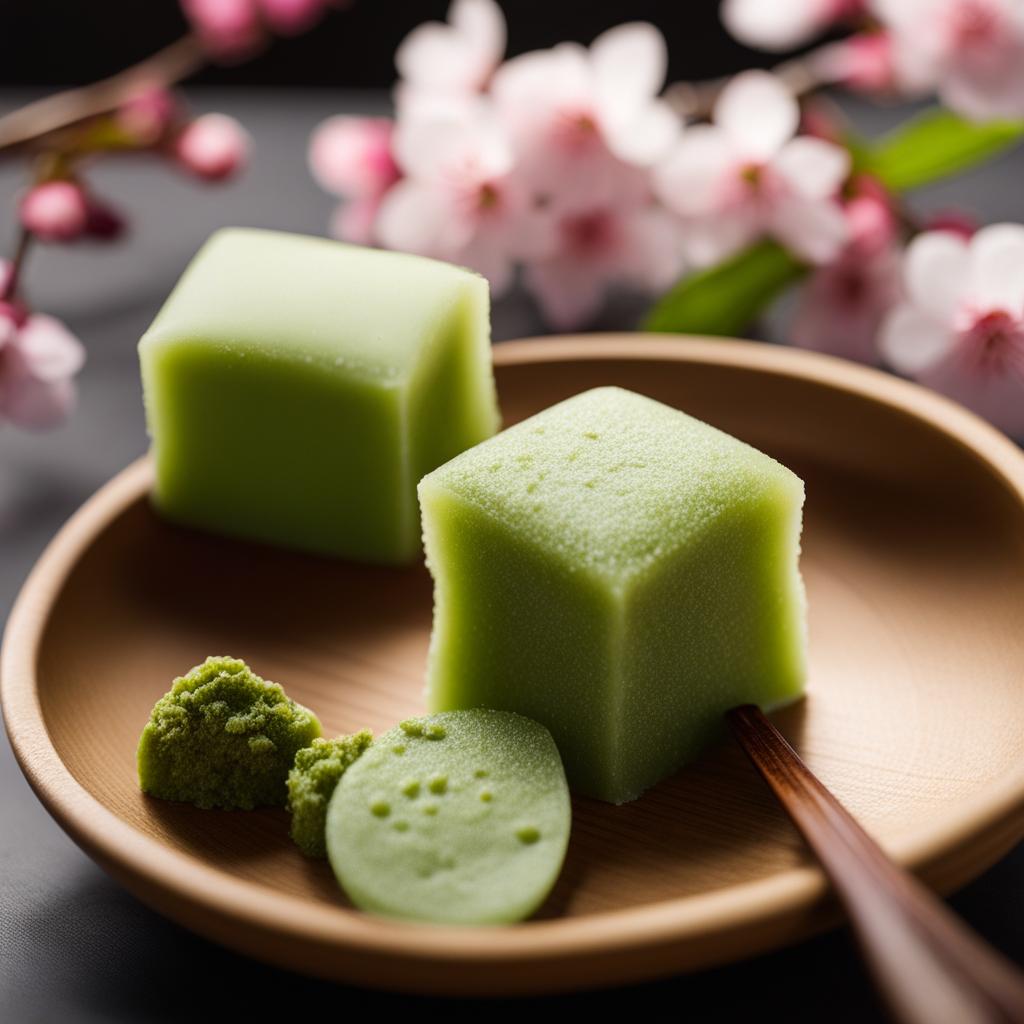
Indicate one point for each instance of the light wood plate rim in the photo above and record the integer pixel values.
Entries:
(547, 955)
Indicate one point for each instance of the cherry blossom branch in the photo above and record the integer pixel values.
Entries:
(696, 99)
(67, 109)
(21, 250)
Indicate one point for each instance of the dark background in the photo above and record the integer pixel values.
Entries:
(66, 42)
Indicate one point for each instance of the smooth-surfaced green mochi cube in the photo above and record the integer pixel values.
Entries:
(623, 574)
(297, 389)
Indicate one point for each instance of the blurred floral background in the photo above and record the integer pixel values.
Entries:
(588, 168)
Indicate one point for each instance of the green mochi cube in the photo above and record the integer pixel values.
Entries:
(297, 388)
(623, 574)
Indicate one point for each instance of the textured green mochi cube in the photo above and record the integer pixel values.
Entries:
(297, 388)
(623, 574)
(223, 737)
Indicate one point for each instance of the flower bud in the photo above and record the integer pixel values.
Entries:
(146, 118)
(212, 147)
(956, 222)
(55, 211)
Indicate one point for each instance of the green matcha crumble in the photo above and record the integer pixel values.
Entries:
(311, 783)
(223, 737)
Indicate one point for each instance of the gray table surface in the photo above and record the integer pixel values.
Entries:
(74, 947)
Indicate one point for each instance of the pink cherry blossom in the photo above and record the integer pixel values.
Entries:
(745, 176)
(863, 61)
(635, 245)
(352, 157)
(212, 147)
(55, 211)
(842, 305)
(581, 121)
(460, 200)
(784, 24)
(38, 361)
(970, 51)
(453, 59)
(961, 329)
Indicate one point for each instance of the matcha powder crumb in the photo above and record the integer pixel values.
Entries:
(311, 783)
(223, 737)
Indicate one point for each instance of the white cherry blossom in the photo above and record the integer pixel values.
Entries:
(39, 358)
(961, 329)
(460, 201)
(746, 176)
(623, 244)
(970, 51)
(443, 65)
(842, 305)
(783, 24)
(580, 120)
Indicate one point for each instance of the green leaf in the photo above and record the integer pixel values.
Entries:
(726, 298)
(935, 145)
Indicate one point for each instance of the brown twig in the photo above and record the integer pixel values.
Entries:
(695, 99)
(69, 108)
(21, 250)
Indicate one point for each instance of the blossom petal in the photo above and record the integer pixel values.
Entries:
(569, 295)
(482, 23)
(49, 350)
(8, 330)
(645, 138)
(841, 307)
(491, 260)
(772, 24)
(912, 341)
(412, 219)
(814, 229)
(690, 179)
(992, 89)
(413, 104)
(458, 56)
(431, 149)
(529, 91)
(935, 273)
(653, 252)
(351, 156)
(997, 268)
(355, 221)
(710, 239)
(37, 404)
(999, 397)
(813, 167)
(628, 64)
(758, 113)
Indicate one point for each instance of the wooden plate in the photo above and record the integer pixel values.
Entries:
(914, 562)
